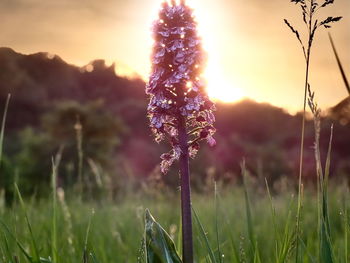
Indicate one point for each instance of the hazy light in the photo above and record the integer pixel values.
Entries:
(89, 68)
(218, 87)
(50, 55)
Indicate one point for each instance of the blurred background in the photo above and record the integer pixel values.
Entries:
(76, 73)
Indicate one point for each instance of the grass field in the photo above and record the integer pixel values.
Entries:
(116, 229)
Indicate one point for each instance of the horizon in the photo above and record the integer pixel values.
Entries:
(136, 76)
(263, 58)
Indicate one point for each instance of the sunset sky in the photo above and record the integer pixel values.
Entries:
(251, 51)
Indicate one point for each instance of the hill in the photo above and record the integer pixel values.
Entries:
(46, 89)
(39, 80)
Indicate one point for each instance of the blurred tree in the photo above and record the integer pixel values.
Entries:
(100, 134)
(32, 164)
(86, 132)
(7, 179)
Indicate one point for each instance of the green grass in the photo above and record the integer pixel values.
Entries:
(115, 231)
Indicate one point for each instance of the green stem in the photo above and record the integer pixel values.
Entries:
(303, 134)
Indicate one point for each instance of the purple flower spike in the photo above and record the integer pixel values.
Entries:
(176, 88)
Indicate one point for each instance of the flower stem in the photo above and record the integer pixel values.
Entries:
(187, 243)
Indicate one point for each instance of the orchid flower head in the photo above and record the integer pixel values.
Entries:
(176, 87)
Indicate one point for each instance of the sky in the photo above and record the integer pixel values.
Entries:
(251, 51)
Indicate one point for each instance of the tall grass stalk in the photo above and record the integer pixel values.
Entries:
(250, 226)
(67, 217)
(307, 55)
(54, 213)
(309, 9)
(85, 250)
(79, 137)
(220, 256)
(346, 226)
(326, 254)
(273, 214)
(341, 68)
(3, 125)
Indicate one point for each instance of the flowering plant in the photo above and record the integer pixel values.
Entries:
(179, 109)
(176, 87)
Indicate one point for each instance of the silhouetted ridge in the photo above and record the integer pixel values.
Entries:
(258, 132)
(38, 80)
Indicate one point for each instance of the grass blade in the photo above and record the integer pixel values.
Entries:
(54, 213)
(326, 249)
(287, 244)
(93, 258)
(21, 247)
(204, 237)
(85, 252)
(216, 223)
(7, 252)
(33, 242)
(273, 213)
(345, 233)
(346, 82)
(3, 125)
(250, 226)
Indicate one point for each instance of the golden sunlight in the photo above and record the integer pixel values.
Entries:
(219, 88)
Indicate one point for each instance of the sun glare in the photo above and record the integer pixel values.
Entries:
(218, 87)
(221, 90)
(224, 93)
